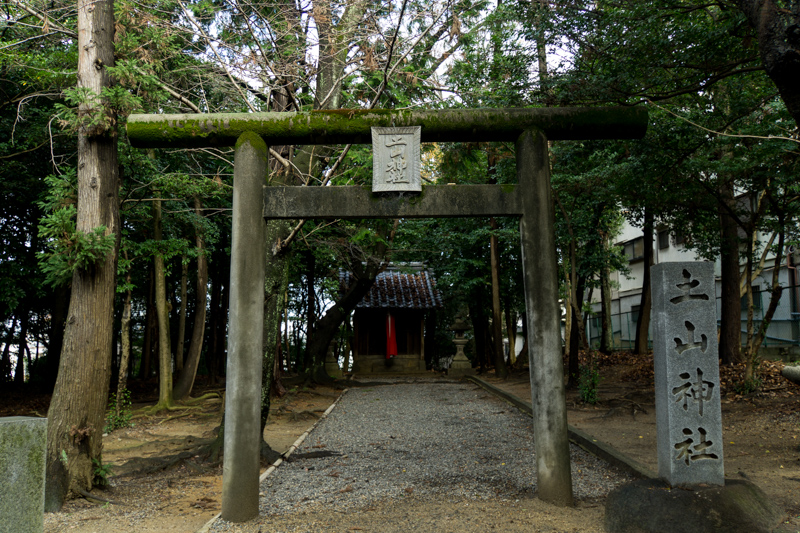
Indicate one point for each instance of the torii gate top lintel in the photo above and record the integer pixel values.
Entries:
(352, 126)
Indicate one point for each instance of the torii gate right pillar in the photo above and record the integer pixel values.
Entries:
(540, 274)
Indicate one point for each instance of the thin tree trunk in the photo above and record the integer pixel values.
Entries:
(185, 381)
(730, 339)
(5, 362)
(641, 345)
(500, 368)
(164, 354)
(310, 266)
(150, 326)
(182, 316)
(776, 292)
(125, 339)
(77, 410)
(19, 372)
(607, 333)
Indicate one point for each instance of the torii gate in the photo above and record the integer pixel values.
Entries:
(253, 202)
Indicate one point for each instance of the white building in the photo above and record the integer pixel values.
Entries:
(783, 336)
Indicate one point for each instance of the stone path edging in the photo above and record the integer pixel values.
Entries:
(283, 456)
(580, 438)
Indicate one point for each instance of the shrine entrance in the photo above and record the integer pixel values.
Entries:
(253, 203)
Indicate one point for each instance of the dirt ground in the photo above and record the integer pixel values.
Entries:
(762, 444)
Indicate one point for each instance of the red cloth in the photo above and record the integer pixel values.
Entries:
(391, 337)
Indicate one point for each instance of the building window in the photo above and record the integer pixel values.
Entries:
(635, 314)
(663, 239)
(757, 305)
(634, 250)
(679, 238)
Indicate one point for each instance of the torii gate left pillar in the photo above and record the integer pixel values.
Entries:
(530, 199)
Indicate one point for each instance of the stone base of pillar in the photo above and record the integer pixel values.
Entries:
(650, 505)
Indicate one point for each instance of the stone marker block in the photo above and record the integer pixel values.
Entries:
(396, 159)
(22, 460)
(686, 360)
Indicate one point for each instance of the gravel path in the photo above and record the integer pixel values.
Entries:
(423, 440)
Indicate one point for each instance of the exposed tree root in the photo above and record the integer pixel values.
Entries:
(90, 496)
(174, 417)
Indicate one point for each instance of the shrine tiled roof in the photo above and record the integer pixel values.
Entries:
(397, 290)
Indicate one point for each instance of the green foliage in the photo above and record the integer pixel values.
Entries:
(588, 380)
(115, 420)
(68, 248)
(101, 472)
(86, 111)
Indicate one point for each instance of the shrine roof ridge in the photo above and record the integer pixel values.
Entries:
(352, 126)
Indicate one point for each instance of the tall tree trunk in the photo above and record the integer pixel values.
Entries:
(182, 315)
(5, 361)
(311, 311)
(576, 334)
(775, 24)
(217, 317)
(125, 339)
(22, 344)
(730, 338)
(430, 338)
(754, 343)
(480, 326)
(607, 332)
(185, 381)
(500, 368)
(150, 329)
(645, 302)
(164, 345)
(76, 414)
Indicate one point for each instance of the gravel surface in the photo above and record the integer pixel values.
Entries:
(421, 440)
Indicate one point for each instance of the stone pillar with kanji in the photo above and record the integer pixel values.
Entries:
(687, 386)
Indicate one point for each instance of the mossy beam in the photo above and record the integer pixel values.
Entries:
(353, 126)
(357, 202)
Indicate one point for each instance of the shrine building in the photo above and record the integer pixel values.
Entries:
(389, 323)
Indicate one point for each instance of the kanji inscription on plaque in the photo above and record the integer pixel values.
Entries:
(396, 159)
(685, 356)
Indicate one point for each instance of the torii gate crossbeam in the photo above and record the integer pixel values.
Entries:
(530, 199)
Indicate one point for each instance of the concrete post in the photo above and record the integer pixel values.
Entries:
(540, 273)
(240, 469)
(22, 458)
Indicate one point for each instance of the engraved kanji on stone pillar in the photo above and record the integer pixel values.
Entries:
(686, 359)
(396, 159)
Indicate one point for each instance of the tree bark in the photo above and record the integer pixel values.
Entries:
(500, 368)
(22, 344)
(76, 414)
(730, 338)
(182, 316)
(5, 361)
(311, 312)
(185, 381)
(164, 345)
(125, 339)
(641, 345)
(150, 327)
(777, 31)
(607, 333)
